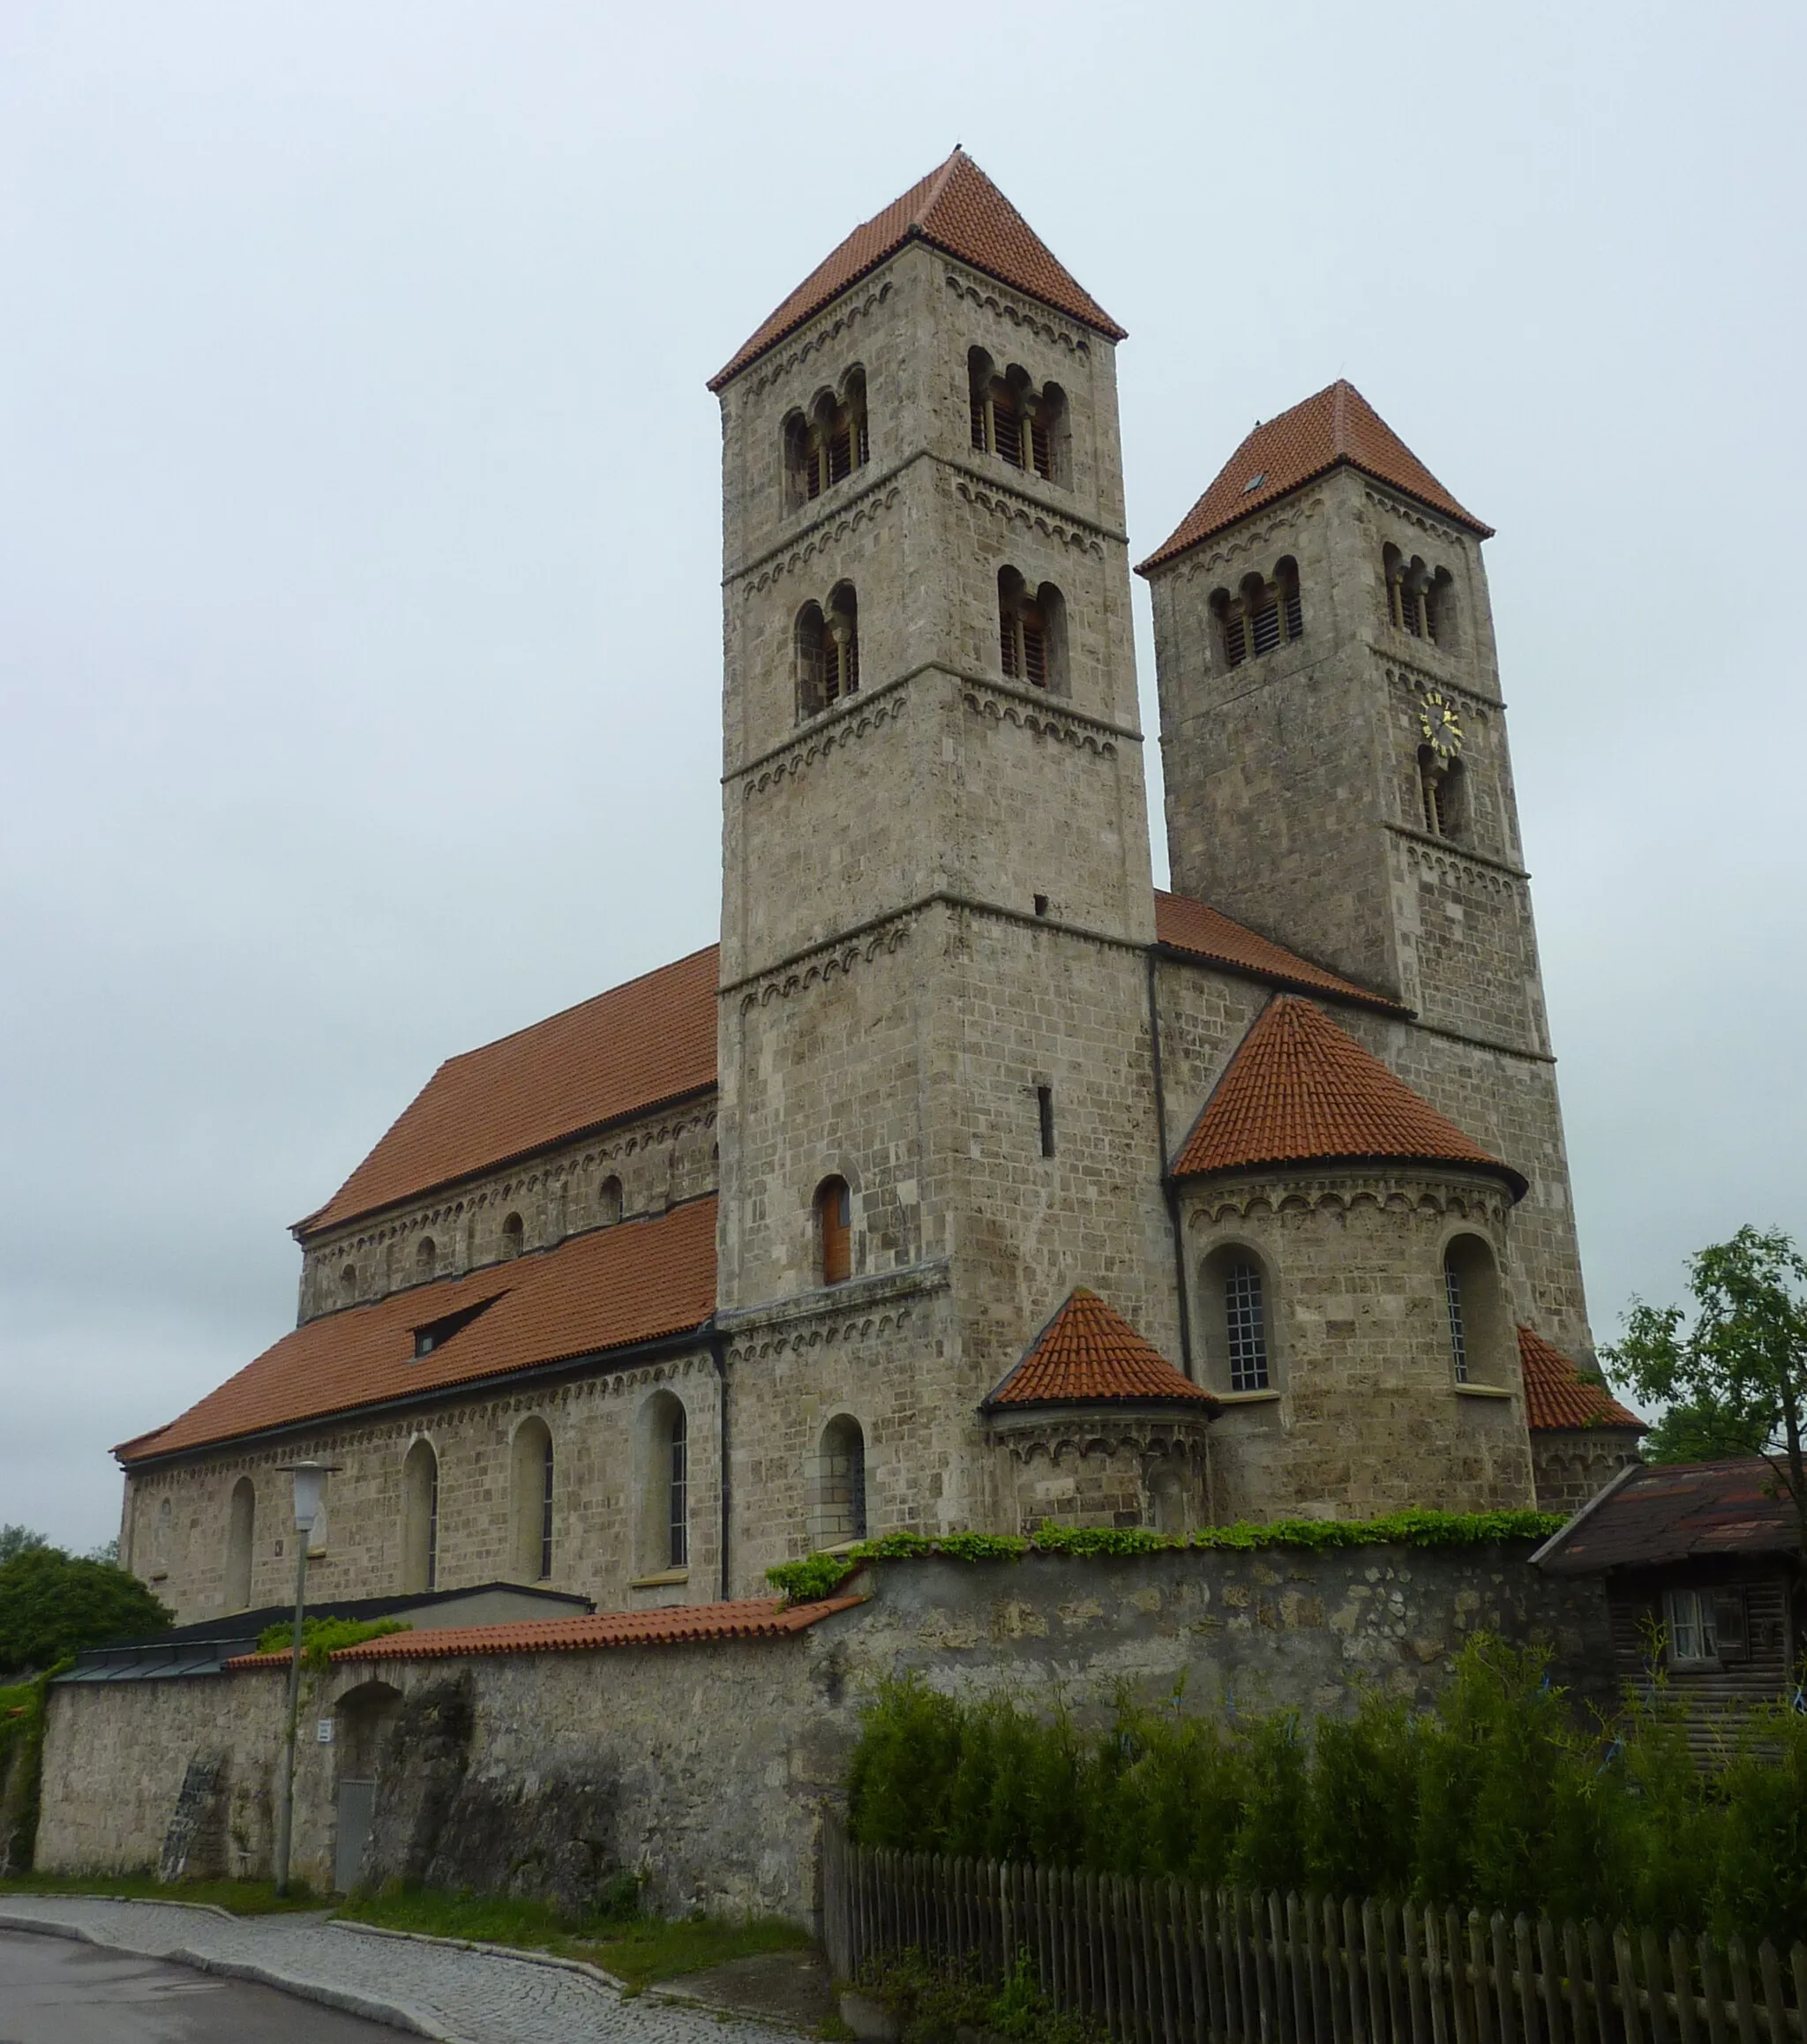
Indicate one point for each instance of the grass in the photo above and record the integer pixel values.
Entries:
(637, 1950)
(241, 1898)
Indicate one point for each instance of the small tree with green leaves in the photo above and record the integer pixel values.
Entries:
(1736, 1378)
(52, 1606)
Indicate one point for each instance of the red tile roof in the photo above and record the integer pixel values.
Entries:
(626, 1051)
(671, 1625)
(1207, 932)
(631, 1283)
(1678, 1511)
(1557, 1397)
(1299, 1091)
(956, 208)
(1088, 1352)
(1336, 426)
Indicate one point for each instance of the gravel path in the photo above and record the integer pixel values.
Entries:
(455, 1993)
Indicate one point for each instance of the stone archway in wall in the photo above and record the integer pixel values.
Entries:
(361, 1718)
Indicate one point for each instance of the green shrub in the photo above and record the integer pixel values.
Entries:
(1497, 1798)
(53, 1604)
(322, 1637)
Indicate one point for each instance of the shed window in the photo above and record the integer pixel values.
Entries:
(1689, 1615)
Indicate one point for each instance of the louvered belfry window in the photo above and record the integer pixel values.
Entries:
(831, 447)
(1014, 426)
(1261, 618)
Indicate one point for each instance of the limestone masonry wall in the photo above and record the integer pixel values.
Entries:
(709, 1766)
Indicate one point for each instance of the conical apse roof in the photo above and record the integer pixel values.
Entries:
(1089, 1353)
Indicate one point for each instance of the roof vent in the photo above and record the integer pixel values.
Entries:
(1255, 482)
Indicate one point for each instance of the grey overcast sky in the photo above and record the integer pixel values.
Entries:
(359, 625)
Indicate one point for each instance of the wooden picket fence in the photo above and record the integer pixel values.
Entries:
(1155, 1963)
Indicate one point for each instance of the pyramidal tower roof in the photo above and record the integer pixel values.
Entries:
(1088, 1352)
(1299, 1091)
(957, 209)
(1335, 427)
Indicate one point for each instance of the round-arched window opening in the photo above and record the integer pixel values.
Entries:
(241, 1536)
(513, 1235)
(1476, 1325)
(839, 1488)
(1444, 792)
(1237, 1316)
(664, 1484)
(347, 1284)
(833, 1231)
(609, 1200)
(420, 1519)
(530, 1501)
(426, 1259)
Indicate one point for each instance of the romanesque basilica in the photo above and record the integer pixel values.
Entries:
(968, 1181)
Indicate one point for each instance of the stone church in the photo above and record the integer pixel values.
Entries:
(969, 1180)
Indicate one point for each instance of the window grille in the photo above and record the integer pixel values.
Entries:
(1040, 453)
(1235, 639)
(1247, 1329)
(546, 1514)
(1007, 432)
(1459, 1333)
(1295, 614)
(680, 1491)
(1267, 627)
(1265, 618)
(979, 440)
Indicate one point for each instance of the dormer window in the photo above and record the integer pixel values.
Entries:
(1265, 612)
(1012, 419)
(824, 446)
(436, 1333)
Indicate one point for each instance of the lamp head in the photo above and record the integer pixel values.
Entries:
(310, 1487)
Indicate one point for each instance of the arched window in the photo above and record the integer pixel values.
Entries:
(426, 1260)
(664, 1434)
(1266, 613)
(1418, 602)
(513, 1235)
(1440, 608)
(1237, 1319)
(1476, 1324)
(825, 447)
(1031, 633)
(827, 651)
(532, 1500)
(609, 1200)
(241, 1534)
(347, 1284)
(165, 1534)
(1011, 419)
(840, 1484)
(420, 1519)
(1443, 791)
(833, 1228)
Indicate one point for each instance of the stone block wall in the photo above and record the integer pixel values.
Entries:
(708, 1765)
(599, 1483)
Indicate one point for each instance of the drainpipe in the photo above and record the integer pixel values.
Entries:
(1169, 1191)
(718, 1355)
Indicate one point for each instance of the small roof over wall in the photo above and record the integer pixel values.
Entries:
(1088, 1354)
(1560, 1399)
(1650, 1516)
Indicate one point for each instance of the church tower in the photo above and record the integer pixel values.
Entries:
(935, 1111)
(1337, 777)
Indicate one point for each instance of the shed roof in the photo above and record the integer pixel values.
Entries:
(1663, 1513)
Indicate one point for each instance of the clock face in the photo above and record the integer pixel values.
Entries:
(1441, 726)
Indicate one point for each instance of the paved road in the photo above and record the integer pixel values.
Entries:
(440, 1991)
(55, 1992)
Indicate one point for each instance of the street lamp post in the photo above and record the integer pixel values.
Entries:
(310, 1482)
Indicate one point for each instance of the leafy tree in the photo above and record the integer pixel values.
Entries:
(52, 1605)
(16, 1540)
(1735, 1381)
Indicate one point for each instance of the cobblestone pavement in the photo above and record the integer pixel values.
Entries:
(440, 1991)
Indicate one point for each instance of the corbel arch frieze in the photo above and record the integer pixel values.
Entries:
(827, 1332)
(818, 336)
(1412, 515)
(866, 512)
(1058, 1440)
(1249, 544)
(1042, 723)
(796, 758)
(1024, 514)
(1239, 1202)
(1015, 311)
(817, 970)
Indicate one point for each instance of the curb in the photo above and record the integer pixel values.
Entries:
(394, 2015)
(514, 1951)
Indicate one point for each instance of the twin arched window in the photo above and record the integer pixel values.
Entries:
(827, 651)
(1443, 792)
(1012, 420)
(826, 444)
(1421, 601)
(1266, 611)
(1031, 633)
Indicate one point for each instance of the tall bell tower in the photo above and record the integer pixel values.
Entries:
(935, 1116)
(1337, 777)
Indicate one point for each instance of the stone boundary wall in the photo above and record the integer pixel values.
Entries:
(707, 1765)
